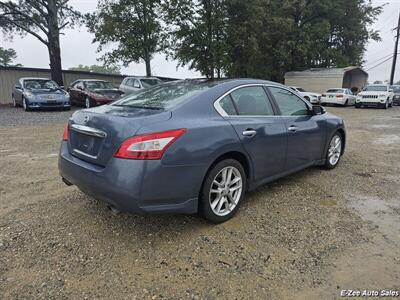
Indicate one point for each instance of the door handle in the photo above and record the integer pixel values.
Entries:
(249, 132)
(293, 128)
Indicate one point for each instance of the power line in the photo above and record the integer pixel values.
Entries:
(381, 63)
(376, 60)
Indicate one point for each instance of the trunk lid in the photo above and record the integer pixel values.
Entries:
(96, 134)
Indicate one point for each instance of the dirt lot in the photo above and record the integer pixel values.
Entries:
(307, 236)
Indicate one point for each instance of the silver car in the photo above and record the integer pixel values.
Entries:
(35, 93)
(133, 84)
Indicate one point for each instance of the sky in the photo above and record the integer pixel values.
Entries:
(77, 48)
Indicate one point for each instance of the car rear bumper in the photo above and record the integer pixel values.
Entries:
(135, 186)
(332, 101)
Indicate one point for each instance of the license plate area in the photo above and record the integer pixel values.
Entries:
(86, 144)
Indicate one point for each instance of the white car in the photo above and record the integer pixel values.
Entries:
(377, 95)
(133, 84)
(339, 96)
(314, 98)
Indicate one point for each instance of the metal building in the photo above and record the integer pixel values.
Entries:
(321, 79)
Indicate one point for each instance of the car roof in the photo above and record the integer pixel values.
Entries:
(34, 78)
(91, 80)
(141, 77)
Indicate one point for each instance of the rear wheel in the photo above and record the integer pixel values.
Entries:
(223, 190)
(334, 151)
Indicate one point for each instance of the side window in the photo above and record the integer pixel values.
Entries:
(252, 101)
(129, 82)
(227, 105)
(289, 104)
(136, 84)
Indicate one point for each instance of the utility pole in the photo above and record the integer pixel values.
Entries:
(396, 45)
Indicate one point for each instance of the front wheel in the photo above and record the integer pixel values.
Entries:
(87, 103)
(223, 190)
(334, 151)
(25, 104)
(14, 102)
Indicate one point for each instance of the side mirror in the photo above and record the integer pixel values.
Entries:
(18, 88)
(318, 110)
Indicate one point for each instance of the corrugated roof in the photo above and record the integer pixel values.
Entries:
(316, 72)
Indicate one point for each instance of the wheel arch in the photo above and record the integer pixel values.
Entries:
(242, 158)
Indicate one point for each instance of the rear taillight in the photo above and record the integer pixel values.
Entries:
(339, 96)
(148, 146)
(66, 133)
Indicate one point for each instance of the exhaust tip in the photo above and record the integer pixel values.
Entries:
(113, 210)
(66, 181)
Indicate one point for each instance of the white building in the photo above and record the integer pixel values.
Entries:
(321, 79)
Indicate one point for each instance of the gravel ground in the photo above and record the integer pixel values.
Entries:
(307, 236)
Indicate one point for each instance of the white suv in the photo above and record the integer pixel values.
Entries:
(377, 95)
(314, 98)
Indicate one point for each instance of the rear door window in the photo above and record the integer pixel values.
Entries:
(252, 101)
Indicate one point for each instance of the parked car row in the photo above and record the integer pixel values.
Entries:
(35, 93)
(374, 95)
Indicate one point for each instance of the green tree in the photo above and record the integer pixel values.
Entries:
(43, 19)
(7, 56)
(197, 31)
(266, 38)
(109, 69)
(133, 26)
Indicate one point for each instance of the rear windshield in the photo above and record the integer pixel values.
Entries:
(150, 82)
(167, 95)
(396, 88)
(92, 85)
(38, 84)
(376, 88)
(335, 91)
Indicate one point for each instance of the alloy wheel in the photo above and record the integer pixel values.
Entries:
(335, 150)
(87, 102)
(226, 190)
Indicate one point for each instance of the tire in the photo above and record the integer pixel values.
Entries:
(14, 102)
(215, 193)
(386, 105)
(346, 103)
(334, 151)
(25, 105)
(391, 103)
(88, 104)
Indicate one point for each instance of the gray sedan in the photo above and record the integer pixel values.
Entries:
(196, 145)
(36, 93)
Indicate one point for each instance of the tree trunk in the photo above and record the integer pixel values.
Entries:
(54, 43)
(55, 61)
(148, 65)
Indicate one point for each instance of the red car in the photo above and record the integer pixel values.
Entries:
(92, 92)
